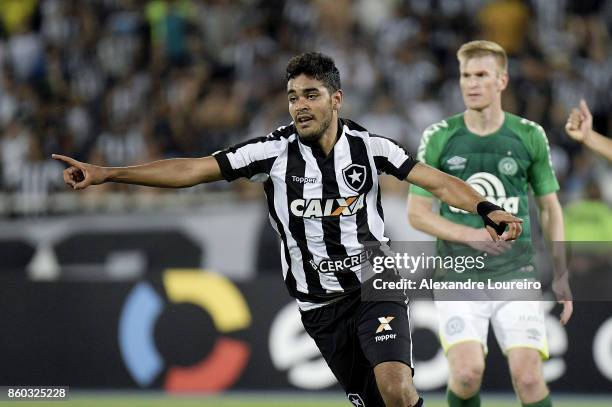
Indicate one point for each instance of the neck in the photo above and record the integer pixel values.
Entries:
(485, 121)
(328, 139)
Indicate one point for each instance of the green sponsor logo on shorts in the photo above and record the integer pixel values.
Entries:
(534, 334)
(455, 325)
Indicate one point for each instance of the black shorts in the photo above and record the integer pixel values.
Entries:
(355, 336)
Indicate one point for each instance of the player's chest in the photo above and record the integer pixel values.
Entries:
(327, 177)
(323, 188)
(503, 158)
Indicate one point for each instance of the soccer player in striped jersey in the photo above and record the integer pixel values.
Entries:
(320, 176)
(501, 155)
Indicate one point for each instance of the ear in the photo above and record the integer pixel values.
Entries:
(503, 81)
(337, 100)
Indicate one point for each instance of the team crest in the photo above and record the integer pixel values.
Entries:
(507, 166)
(356, 400)
(354, 176)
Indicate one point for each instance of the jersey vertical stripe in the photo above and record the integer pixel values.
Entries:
(315, 227)
(295, 270)
(350, 227)
(279, 214)
(278, 227)
(296, 167)
(332, 225)
(371, 228)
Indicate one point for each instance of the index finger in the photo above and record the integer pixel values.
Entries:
(511, 233)
(519, 230)
(67, 160)
(511, 218)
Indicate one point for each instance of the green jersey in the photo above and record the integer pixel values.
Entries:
(501, 166)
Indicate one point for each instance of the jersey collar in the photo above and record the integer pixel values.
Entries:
(317, 151)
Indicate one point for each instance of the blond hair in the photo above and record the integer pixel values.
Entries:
(481, 48)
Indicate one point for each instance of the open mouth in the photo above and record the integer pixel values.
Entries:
(304, 119)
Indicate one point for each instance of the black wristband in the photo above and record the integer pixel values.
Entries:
(484, 208)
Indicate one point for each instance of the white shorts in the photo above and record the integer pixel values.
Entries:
(516, 324)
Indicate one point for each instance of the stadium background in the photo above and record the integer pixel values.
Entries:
(104, 289)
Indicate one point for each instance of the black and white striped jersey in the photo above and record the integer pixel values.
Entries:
(324, 208)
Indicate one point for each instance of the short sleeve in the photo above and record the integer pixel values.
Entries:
(541, 174)
(429, 152)
(252, 159)
(391, 158)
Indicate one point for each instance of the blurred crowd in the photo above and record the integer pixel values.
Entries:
(120, 82)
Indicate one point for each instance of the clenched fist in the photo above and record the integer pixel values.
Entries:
(579, 123)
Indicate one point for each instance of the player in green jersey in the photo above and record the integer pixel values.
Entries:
(501, 155)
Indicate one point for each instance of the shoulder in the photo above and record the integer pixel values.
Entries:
(283, 133)
(353, 129)
(529, 132)
(444, 127)
(438, 133)
(277, 142)
(532, 135)
(378, 145)
(523, 126)
(262, 148)
(277, 139)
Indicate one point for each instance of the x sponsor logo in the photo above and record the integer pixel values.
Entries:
(384, 324)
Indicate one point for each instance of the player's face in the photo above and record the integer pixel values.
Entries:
(482, 82)
(311, 106)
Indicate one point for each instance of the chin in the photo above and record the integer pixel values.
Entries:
(474, 106)
(309, 136)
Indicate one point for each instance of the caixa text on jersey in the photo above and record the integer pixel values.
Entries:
(319, 208)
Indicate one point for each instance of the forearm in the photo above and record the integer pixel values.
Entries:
(435, 225)
(447, 188)
(459, 194)
(423, 217)
(551, 221)
(600, 144)
(552, 224)
(171, 173)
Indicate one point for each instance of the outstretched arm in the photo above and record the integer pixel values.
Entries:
(579, 126)
(459, 194)
(171, 173)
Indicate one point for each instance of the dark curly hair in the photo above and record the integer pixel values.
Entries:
(316, 65)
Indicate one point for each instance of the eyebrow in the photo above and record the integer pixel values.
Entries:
(304, 91)
(474, 72)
